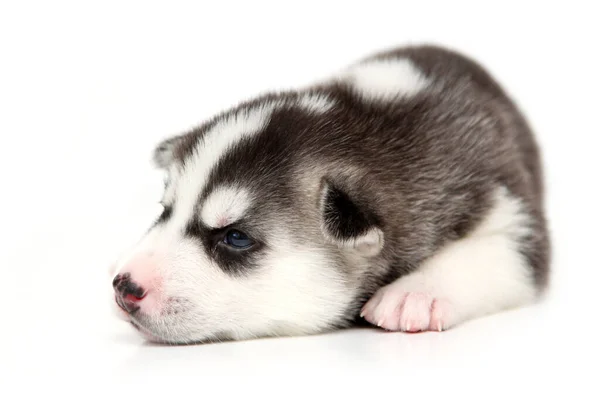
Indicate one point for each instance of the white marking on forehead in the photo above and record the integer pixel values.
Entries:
(318, 103)
(210, 148)
(224, 206)
(386, 79)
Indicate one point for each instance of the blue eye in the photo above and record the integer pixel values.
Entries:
(237, 239)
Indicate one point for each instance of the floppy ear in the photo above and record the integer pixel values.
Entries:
(348, 221)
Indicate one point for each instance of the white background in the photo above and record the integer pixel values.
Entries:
(88, 88)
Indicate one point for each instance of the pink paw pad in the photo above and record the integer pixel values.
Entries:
(406, 311)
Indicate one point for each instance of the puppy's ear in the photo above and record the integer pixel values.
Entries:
(166, 151)
(163, 154)
(349, 222)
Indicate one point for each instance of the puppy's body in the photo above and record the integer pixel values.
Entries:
(407, 190)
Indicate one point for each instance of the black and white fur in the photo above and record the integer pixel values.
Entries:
(407, 190)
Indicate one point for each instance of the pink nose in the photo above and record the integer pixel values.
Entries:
(127, 293)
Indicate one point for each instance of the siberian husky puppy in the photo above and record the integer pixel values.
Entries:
(406, 191)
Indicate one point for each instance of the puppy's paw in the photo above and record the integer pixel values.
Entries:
(395, 309)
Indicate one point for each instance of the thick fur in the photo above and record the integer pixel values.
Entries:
(410, 168)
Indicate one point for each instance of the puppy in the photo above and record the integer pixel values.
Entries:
(406, 192)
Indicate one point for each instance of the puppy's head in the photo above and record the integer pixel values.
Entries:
(255, 239)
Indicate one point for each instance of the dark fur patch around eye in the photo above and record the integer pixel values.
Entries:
(233, 261)
(236, 262)
(195, 230)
